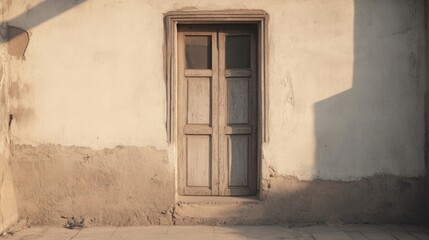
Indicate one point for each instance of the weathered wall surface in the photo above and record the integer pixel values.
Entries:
(347, 86)
(119, 186)
(8, 208)
(381, 199)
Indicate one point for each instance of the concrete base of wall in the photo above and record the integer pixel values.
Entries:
(136, 186)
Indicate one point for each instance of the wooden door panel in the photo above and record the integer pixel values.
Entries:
(199, 101)
(238, 112)
(197, 112)
(238, 159)
(237, 100)
(198, 156)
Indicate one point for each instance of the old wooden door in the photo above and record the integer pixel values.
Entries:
(217, 110)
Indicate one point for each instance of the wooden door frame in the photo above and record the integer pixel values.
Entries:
(257, 17)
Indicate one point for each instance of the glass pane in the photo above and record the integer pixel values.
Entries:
(198, 52)
(237, 52)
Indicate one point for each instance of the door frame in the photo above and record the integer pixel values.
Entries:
(257, 17)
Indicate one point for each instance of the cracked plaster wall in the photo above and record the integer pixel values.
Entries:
(8, 208)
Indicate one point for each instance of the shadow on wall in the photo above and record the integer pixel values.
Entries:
(44, 11)
(377, 125)
(363, 131)
(370, 127)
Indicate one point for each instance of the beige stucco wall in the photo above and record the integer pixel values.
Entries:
(8, 208)
(347, 81)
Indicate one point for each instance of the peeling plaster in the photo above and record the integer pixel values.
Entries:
(18, 40)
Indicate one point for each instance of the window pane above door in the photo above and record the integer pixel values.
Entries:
(237, 52)
(198, 52)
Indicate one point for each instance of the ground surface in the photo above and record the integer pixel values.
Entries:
(278, 232)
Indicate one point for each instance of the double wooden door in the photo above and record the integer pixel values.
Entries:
(217, 110)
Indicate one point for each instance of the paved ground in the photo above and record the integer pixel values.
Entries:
(315, 232)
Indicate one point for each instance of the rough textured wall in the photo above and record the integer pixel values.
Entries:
(380, 199)
(347, 85)
(8, 208)
(119, 186)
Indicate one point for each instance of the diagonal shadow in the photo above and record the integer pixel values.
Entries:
(365, 129)
(39, 14)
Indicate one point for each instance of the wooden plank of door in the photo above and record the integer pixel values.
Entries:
(215, 113)
(223, 154)
(197, 122)
(181, 137)
(237, 119)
